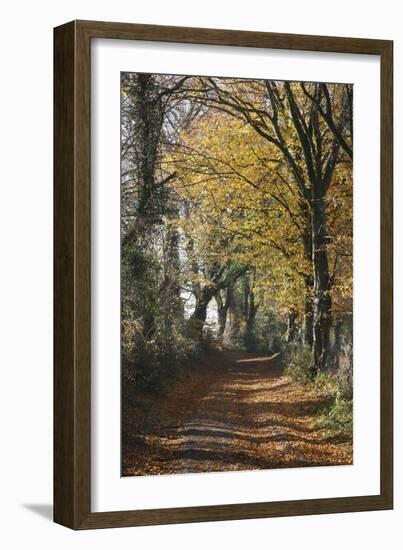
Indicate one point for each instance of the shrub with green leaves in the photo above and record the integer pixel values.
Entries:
(337, 416)
(297, 361)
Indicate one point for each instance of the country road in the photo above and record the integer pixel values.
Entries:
(236, 412)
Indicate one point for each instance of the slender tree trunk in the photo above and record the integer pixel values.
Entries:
(221, 316)
(170, 290)
(307, 337)
(321, 286)
(250, 338)
(250, 311)
(291, 326)
(234, 329)
(222, 310)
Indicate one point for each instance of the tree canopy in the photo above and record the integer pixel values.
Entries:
(236, 217)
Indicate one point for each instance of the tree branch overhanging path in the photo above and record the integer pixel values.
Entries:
(236, 209)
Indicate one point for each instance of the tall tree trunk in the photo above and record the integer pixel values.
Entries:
(250, 311)
(308, 303)
(146, 116)
(221, 320)
(149, 127)
(198, 318)
(250, 337)
(222, 310)
(291, 326)
(321, 286)
(307, 334)
(170, 290)
(234, 329)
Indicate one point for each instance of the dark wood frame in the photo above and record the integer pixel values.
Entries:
(72, 320)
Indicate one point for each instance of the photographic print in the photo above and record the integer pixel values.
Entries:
(236, 274)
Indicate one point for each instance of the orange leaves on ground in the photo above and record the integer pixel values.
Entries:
(236, 411)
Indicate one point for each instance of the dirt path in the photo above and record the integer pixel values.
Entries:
(235, 412)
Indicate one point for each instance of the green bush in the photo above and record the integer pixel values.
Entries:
(297, 362)
(338, 415)
(147, 363)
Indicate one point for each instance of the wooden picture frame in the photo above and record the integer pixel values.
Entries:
(72, 319)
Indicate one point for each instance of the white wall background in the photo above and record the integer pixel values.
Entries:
(26, 272)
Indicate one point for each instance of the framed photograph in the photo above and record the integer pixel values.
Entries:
(222, 275)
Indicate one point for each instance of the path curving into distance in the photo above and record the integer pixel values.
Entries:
(237, 411)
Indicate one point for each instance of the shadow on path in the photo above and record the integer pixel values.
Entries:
(244, 414)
